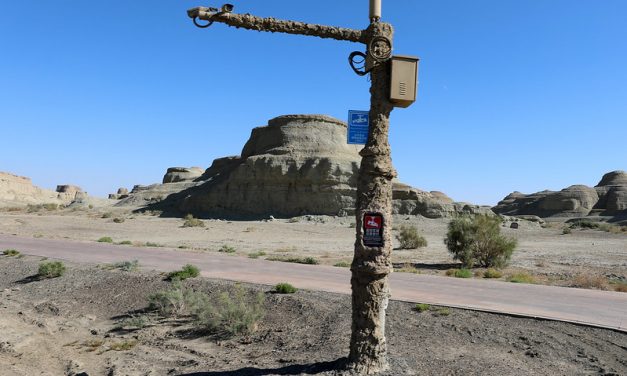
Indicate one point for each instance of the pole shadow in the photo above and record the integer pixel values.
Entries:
(295, 369)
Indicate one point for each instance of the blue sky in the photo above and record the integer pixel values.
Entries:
(514, 95)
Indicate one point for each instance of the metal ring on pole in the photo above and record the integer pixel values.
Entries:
(195, 20)
(380, 49)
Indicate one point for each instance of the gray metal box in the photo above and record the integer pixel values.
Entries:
(404, 79)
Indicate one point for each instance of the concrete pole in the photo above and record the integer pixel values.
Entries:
(372, 265)
(375, 10)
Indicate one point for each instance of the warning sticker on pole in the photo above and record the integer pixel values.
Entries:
(373, 230)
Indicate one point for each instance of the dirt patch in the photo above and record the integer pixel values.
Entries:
(71, 324)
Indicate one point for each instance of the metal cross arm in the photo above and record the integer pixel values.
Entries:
(273, 25)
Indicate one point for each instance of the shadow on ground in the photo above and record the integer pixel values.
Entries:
(295, 369)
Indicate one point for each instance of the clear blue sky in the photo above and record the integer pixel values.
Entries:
(514, 95)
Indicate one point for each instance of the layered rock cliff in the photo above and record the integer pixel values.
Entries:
(296, 165)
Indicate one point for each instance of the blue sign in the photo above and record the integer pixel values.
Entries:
(358, 122)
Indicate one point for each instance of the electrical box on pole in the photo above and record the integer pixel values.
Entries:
(404, 79)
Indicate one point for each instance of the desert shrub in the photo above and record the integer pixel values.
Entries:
(105, 239)
(566, 231)
(256, 255)
(296, 260)
(463, 273)
(522, 277)
(620, 287)
(450, 272)
(51, 207)
(127, 266)
(106, 215)
(285, 288)
(153, 244)
(410, 239)
(190, 221)
(422, 307)
(136, 322)
(492, 273)
(589, 281)
(168, 302)
(478, 241)
(125, 242)
(227, 249)
(228, 314)
(442, 311)
(118, 220)
(11, 252)
(188, 271)
(51, 269)
(342, 264)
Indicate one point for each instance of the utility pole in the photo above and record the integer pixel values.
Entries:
(373, 246)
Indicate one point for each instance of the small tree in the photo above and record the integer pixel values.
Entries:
(410, 239)
(478, 241)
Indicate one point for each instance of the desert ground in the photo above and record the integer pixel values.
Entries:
(94, 320)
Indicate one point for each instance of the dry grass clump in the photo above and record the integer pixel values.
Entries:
(190, 221)
(227, 249)
(296, 260)
(522, 277)
(11, 252)
(620, 287)
(590, 281)
(492, 273)
(227, 314)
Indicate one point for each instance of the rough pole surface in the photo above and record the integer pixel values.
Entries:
(371, 266)
(273, 25)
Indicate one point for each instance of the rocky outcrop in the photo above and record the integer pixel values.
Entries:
(608, 198)
(178, 174)
(20, 191)
(295, 165)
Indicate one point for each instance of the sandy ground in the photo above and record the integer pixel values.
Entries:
(547, 254)
(71, 326)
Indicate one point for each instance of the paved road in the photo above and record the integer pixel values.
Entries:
(596, 308)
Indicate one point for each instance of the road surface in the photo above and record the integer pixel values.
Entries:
(604, 309)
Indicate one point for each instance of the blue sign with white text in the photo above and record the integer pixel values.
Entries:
(358, 122)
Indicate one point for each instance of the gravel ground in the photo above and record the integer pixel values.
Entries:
(67, 326)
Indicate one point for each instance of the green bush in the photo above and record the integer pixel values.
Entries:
(229, 314)
(227, 249)
(188, 271)
(11, 252)
(105, 239)
(478, 241)
(190, 221)
(566, 231)
(422, 307)
(285, 288)
(492, 273)
(51, 269)
(463, 273)
(410, 239)
(125, 242)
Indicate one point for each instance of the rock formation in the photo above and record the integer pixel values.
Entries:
(16, 191)
(177, 174)
(608, 198)
(296, 165)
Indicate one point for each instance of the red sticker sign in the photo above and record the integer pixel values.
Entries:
(373, 230)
